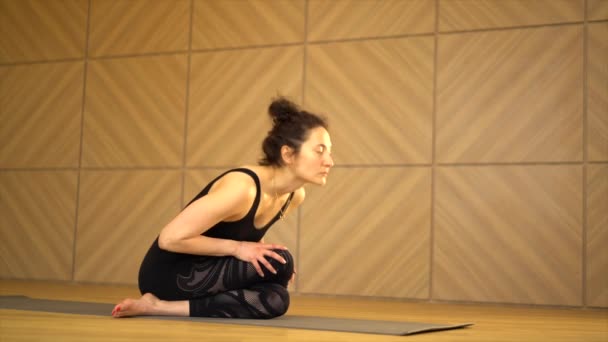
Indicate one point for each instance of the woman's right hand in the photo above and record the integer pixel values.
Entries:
(255, 253)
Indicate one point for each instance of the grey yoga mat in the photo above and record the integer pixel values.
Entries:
(288, 321)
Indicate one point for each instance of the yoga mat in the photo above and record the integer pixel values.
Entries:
(288, 321)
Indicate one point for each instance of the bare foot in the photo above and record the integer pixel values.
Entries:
(146, 305)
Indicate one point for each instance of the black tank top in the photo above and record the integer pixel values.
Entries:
(159, 267)
(243, 229)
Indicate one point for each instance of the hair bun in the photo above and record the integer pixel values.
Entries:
(282, 110)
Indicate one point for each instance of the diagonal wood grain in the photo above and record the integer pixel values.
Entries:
(597, 9)
(597, 92)
(3, 76)
(120, 215)
(457, 15)
(502, 233)
(367, 233)
(37, 224)
(40, 111)
(378, 96)
(508, 234)
(135, 112)
(230, 23)
(33, 30)
(229, 96)
(138, 26)
(597, 235)
(344, 19)
(196, 180)
(510, 96)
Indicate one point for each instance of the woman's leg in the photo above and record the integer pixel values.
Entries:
(232, 288)
(264, 300)
(221, 287)
(207, 276)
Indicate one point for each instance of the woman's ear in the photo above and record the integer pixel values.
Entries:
(288, 154)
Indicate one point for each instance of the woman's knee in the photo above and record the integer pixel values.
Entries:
(284, 270)
(276, 301)
(285, 254)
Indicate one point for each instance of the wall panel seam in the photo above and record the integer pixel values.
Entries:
(513, 28)
(81, 147)
(433, 153)
(304, 69)
(318, 42)
(36, 62)
(183, 168)
(584, 180)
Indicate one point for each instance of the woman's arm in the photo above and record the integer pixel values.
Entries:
(229, 199)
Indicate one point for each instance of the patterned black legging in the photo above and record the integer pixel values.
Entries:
(229, 287)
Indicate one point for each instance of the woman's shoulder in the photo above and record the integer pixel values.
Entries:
(237, 183)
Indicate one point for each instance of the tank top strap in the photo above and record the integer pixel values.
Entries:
(256, 201)
(287, 202)
(258, 190)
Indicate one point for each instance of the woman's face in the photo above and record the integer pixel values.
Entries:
(313, 162)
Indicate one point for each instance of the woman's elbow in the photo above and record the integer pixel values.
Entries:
(165, 242)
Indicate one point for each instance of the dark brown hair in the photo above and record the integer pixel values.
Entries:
(290, 126)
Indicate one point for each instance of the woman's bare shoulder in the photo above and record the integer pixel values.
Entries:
(230, 197)
(236, 183)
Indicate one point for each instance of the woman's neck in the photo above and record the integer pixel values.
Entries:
(278, 180)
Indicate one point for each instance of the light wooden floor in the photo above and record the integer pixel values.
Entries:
(492, 322)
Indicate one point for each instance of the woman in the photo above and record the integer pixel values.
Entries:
(211, 260)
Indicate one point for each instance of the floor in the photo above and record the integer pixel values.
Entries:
(492, 322)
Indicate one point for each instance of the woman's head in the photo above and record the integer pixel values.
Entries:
(298, 139)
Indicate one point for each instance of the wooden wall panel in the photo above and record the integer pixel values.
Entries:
(597, 92)
(135, 112)
(40, 111)
(138, 26)
(512, 93)
(597, 9)
(196, 180)
(3, 76)
(378, 96)
(224, 24)
(459, 15)
(597, 235)
(35, 30)
(120, 215)
(37, 224)
(229, 96)
(510, 96)
(509, 234)
(344, 19)
(367, 232)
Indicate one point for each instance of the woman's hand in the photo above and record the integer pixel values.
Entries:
(255, 253)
